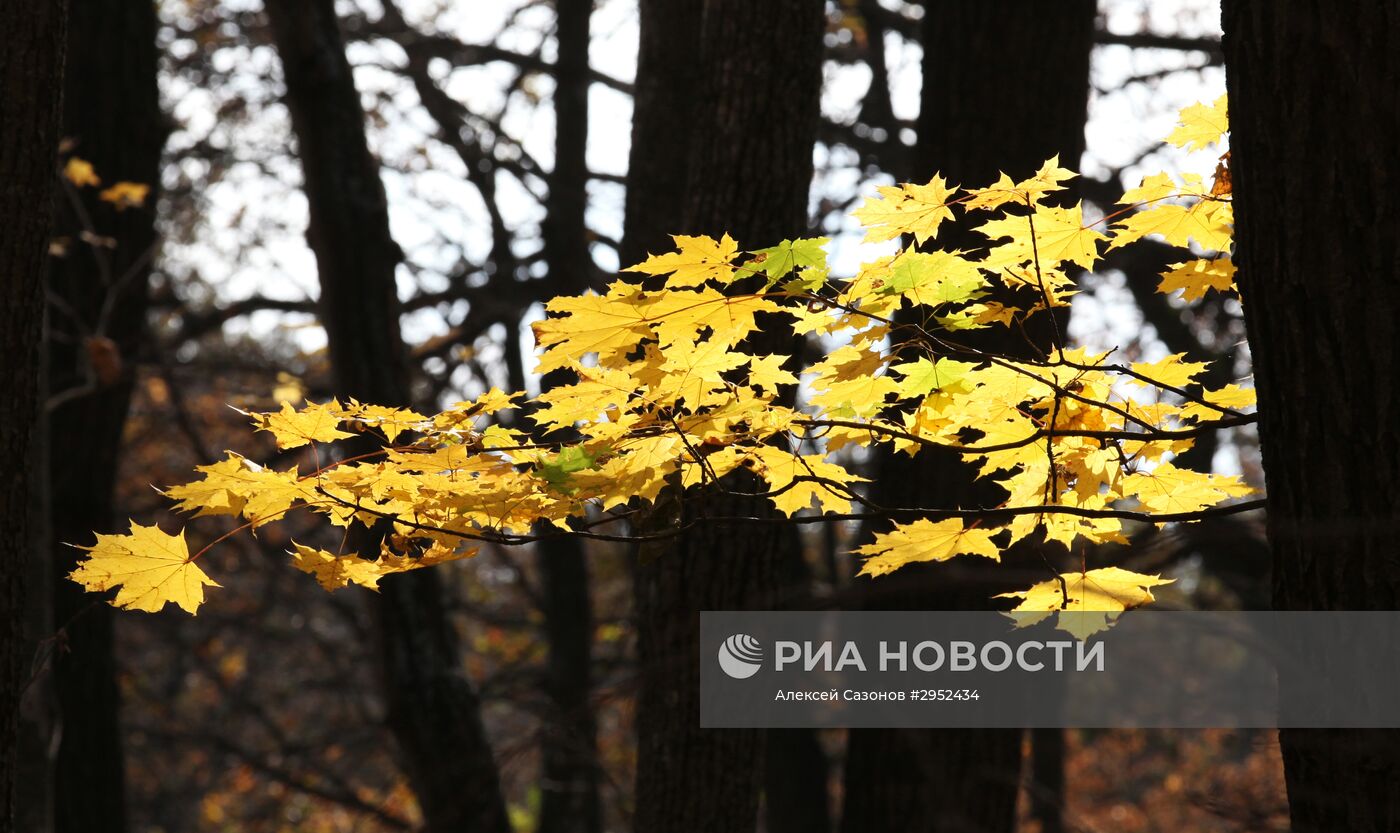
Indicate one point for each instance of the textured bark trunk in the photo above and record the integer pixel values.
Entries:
(663, 102)
(112, 115)
(569, 793)
(1005, 87)
(432, 709)
(796, 774)
(796, 769)
(31, 84)
(723, 128)
(569, 800)
(1317, 200)
(1047, 781)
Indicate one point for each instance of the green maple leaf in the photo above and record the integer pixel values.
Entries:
(781, 259)
(571, 459)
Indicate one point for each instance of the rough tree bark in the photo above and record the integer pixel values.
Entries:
(31, 85)
(433, 711)
(708, 70)
(1005, 87)
(112, 116)
(796, 768)
(569, 793)
(1317, 206)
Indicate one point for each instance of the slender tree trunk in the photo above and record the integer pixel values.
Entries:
(796, 768)
(1317, 204)
(570, 791)
(723, 129)
(432, 709)
(569, 802)
(1005, 88)
(31, 84)
(112, 118)
(1047, 779)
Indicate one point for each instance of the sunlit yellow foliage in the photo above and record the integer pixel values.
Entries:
(126, 195)
(669, 396)
(80, 172)
(1201, 125)
(149, 566)
(1087, 602)
(924, 540)
(1195, 277)
(336, 571)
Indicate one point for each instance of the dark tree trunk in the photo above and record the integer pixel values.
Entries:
(432, 709)
(723, 131)
(569, 793)
(796, 774)
(1317, 187)
(565, 233)
(663, 102)
(1047, 779)
(112, 116)
(31, 84)
(796, 769)
(1005, 87)
(569, 801)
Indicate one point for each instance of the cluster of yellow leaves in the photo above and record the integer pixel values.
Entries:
(1188, 212)
(123, 195)
(1085, 602)
(668, 393)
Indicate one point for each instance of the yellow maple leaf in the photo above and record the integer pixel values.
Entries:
(767, 373)
(392, 421)
(693, 370)
(730, 320)
(1194, 277)
(1060, 236)
(783, 470)
(1047, 180)
(1029, 488)
(861, 396)
(641, 472)
(696, 260)
(1201, 125)
(1172, 371)
(922, 377)
(1208, 223)
(80, 172)
(604, 324)
(925, 540)
(599, 390)
(461, 417)
(1234, 397)
(1168, 489)
(151, 567)
(294, 428)
(906, 209)
(1156, 187)
(1094, 598)
(335, 571)
(126, 195)
(706, 360)
(238, 486)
